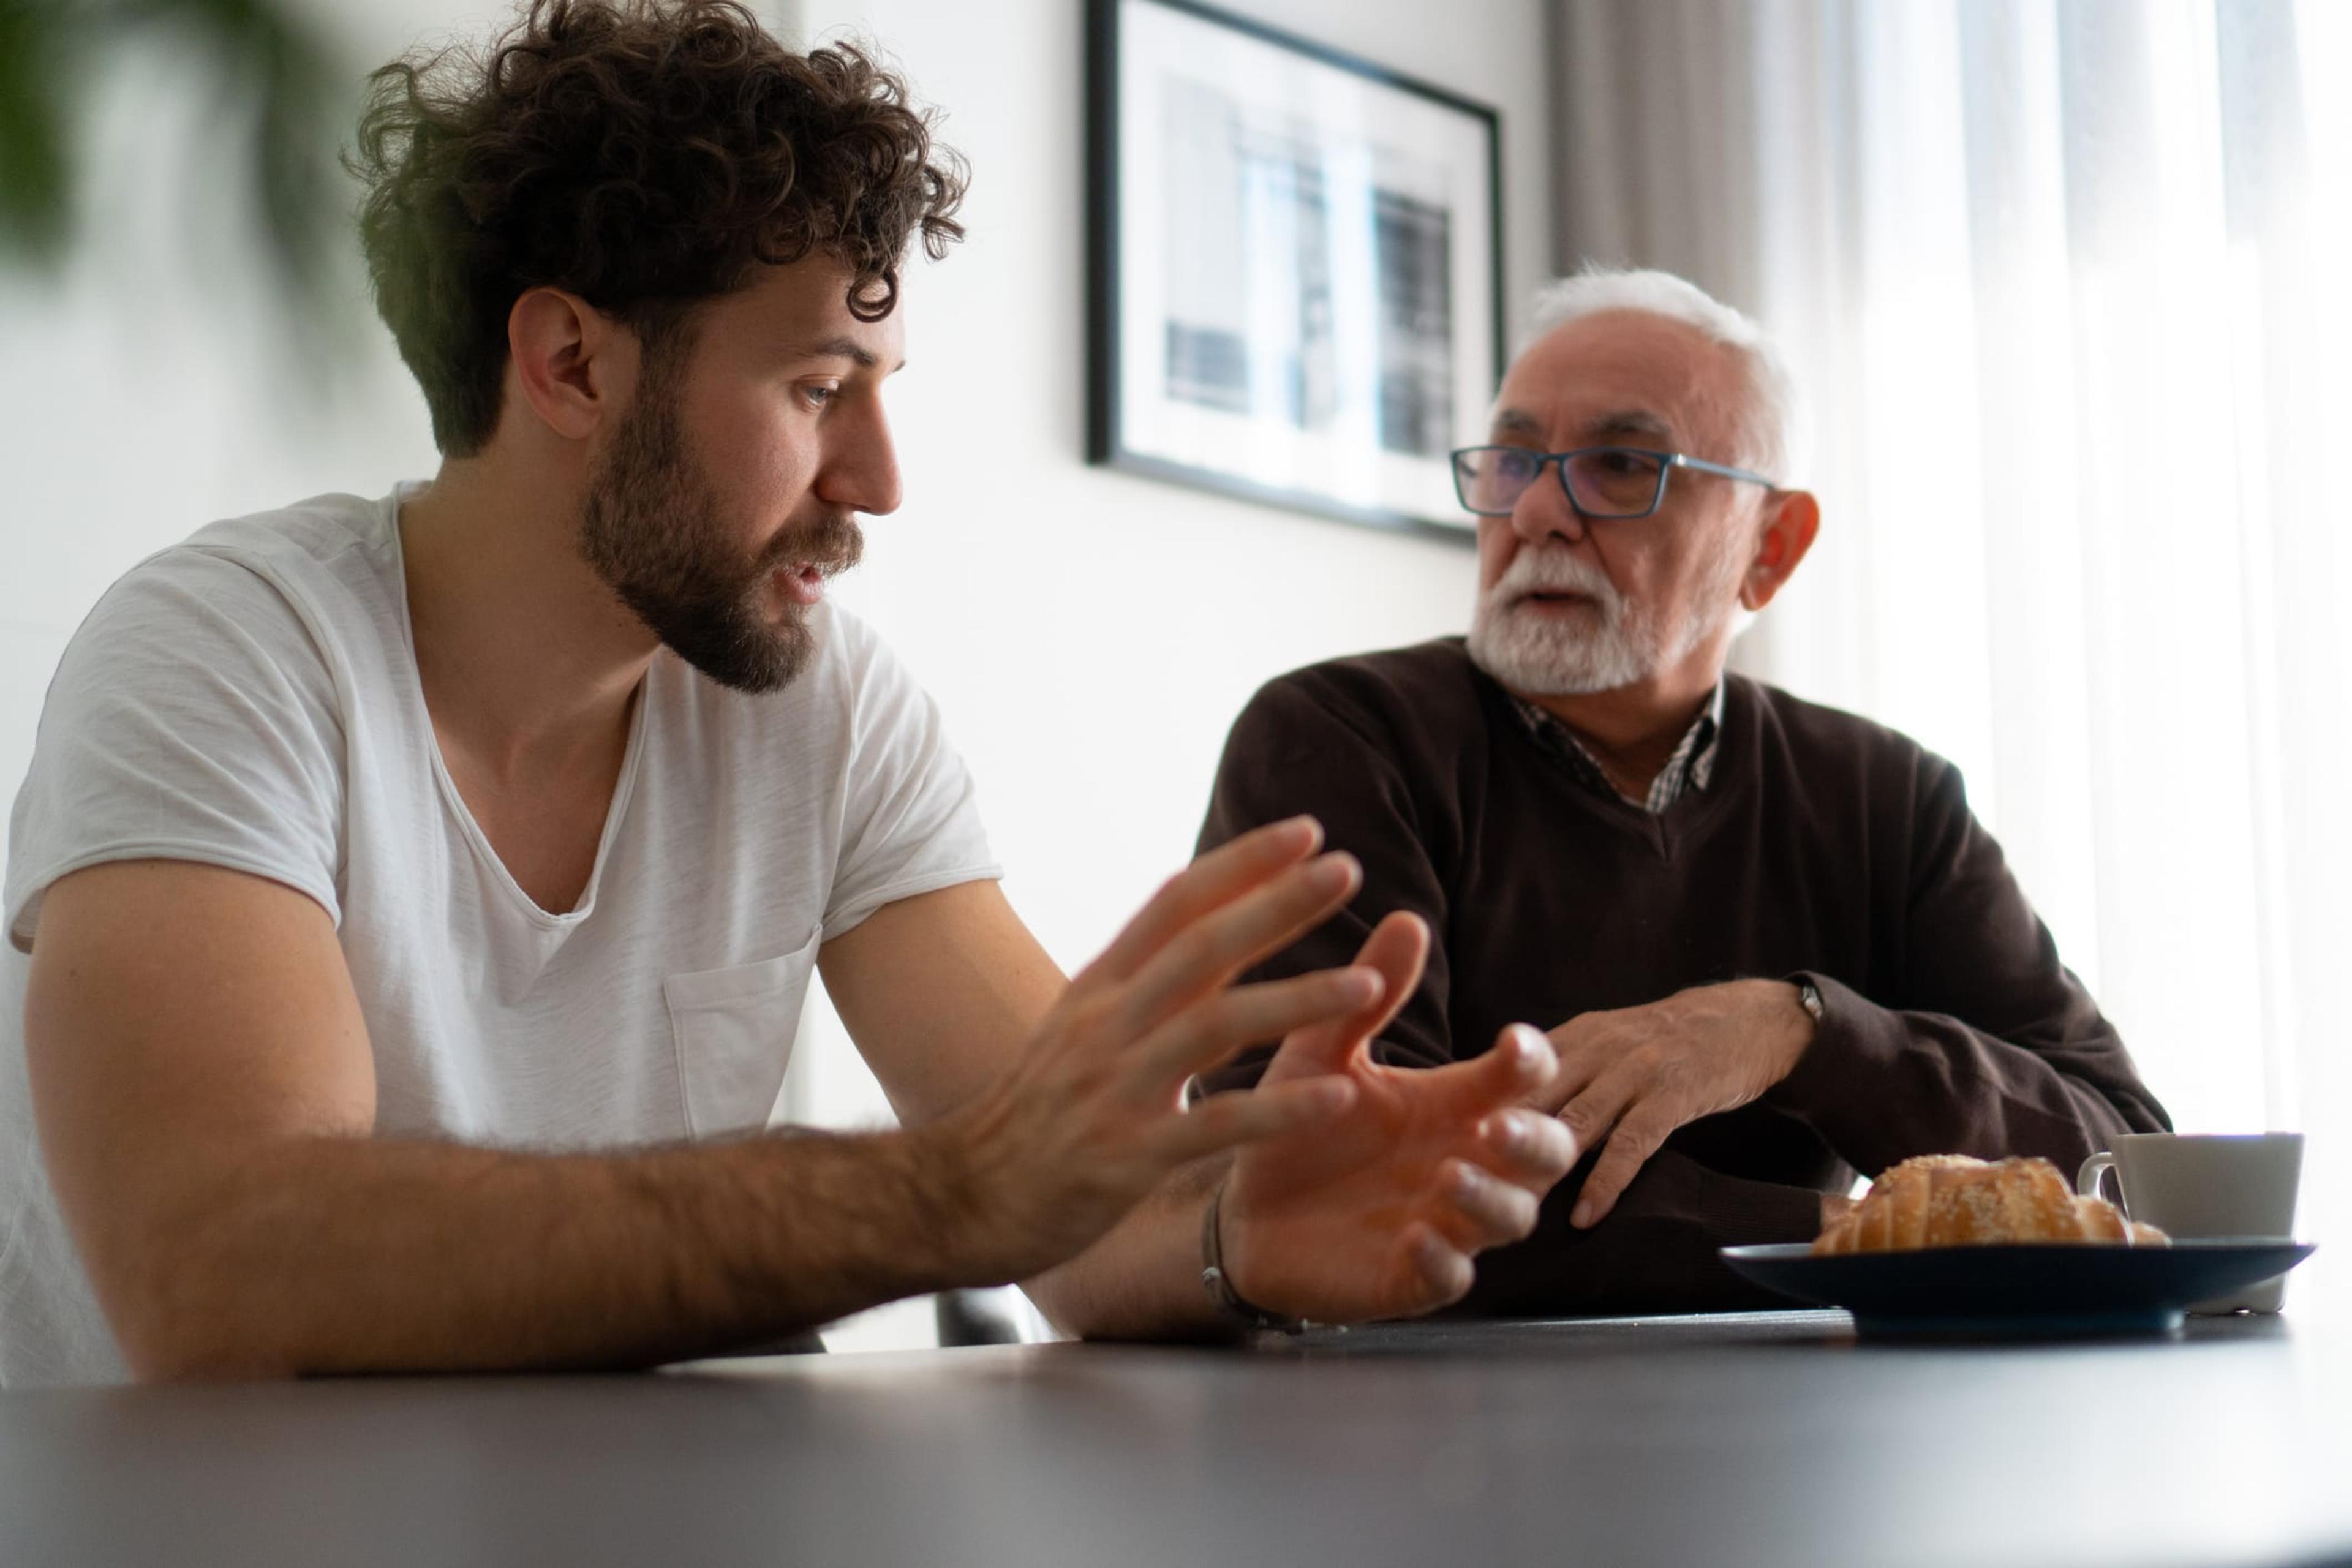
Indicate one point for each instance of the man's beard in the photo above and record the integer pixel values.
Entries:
(1608, 643)
(651, 528)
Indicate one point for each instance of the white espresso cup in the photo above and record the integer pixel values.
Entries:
(2201, 1188)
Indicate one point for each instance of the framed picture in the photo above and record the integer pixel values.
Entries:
(1295, 270)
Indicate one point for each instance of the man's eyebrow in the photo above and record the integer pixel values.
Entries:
(1615, 425)
(1629, 421)
(843, 348)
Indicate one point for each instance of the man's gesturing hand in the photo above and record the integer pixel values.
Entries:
(1634, 1075)
(1092, 1116)
(1377, 1212)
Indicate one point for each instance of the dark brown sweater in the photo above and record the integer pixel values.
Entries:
(1826, 848)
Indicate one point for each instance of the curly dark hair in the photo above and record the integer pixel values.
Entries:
(643, 154)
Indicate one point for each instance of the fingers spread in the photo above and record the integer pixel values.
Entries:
(1441, 1274)
(1527, 1147)
(1208, 884)
(1520, 1061)
(1397, 948)
(1213, 1028)
(1213, 950)
(1496, 1211)
(1223, 1121)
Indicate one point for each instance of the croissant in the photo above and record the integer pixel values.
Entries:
(1951, 1200)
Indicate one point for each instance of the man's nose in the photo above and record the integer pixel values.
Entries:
(861, 467)
(1542, 512)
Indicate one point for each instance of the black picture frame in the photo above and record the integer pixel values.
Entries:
(1235, 401)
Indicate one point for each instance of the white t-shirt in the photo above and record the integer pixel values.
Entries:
(249, 699)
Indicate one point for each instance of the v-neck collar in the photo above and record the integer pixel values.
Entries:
(453, 802)
(1690, 767)
(1690, 816)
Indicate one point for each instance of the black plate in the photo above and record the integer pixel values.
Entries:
(2012, 1290)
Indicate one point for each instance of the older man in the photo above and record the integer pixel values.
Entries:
(1775, 946)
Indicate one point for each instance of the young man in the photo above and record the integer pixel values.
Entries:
(412, 899)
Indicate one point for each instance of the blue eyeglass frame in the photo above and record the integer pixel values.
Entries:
(1667, 463)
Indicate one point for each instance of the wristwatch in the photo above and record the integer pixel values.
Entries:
(1809, 998)
(1231, 1306)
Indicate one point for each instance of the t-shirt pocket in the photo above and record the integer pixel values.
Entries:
(734, 1029)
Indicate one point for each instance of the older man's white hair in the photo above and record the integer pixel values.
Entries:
(1768, 421)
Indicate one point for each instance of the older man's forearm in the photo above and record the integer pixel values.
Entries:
(1880, 1085)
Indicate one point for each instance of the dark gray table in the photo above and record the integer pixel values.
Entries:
(1754, 1440)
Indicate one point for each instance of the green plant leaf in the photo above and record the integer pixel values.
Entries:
(286, 97)
(36, 195)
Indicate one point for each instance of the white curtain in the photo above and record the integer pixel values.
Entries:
(2069, 283)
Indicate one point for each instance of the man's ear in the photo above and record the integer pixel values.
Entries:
(570, 365)
(1791, 518)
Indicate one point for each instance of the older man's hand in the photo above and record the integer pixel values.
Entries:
(1634, 1075)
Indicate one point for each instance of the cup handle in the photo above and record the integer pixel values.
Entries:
(2093, 1175)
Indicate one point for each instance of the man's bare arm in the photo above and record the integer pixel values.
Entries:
(206, 1099)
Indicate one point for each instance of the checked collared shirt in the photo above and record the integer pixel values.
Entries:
(1690, 767)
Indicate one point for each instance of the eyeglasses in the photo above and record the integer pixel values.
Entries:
(1599, 482)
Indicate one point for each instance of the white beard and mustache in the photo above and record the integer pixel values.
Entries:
(1608, 643)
